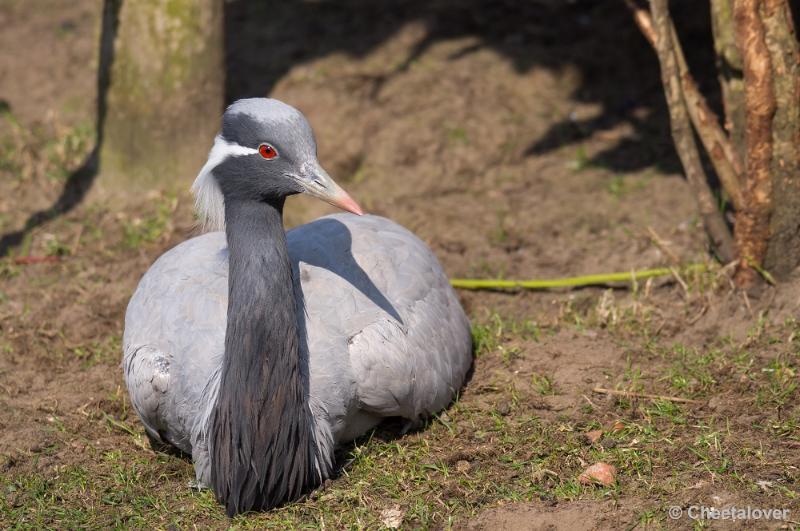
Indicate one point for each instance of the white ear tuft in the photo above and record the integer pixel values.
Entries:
(208, 200)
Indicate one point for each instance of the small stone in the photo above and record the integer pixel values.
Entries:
(601, 473)
(716, 402)
(764, 484)
(593, 436)
(392, 517)
(549, 500)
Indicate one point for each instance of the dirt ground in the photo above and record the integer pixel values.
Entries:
(519, 140)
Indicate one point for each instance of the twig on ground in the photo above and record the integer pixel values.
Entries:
(76, 241)
(590, 401)
(30, 260)
(700, 314)
(663, 246)
(747, 303)
(680, 281)
(632, 394)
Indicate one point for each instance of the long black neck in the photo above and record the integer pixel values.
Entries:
(261, 436)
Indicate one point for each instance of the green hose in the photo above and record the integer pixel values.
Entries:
(569, 282)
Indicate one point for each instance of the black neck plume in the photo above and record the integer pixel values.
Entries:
(261, 436)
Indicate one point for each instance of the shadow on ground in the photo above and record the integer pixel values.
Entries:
(597, 38)
(80, 181)
(617, 68)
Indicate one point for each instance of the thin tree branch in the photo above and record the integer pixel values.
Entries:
(632, 394)
(682, 132)
(752, 223)
(717, 144)
(723, 156)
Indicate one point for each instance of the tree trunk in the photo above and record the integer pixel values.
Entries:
(783, 251)
(768, 228)
(729, 68)
(165, 95)
(752, 222)
(758, 58)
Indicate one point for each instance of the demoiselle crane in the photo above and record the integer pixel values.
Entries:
(257, 351)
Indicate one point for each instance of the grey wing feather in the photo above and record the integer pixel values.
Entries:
(177, 313)
(407, 338)
(146, 373)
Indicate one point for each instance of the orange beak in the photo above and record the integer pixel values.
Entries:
(345, 202)
(322, 186)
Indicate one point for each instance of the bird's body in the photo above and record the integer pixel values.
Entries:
(258, 351)
(385, 334)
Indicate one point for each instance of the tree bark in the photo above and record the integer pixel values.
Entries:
(783, 251)
(729, 67)
(165, 95)
(752, 222)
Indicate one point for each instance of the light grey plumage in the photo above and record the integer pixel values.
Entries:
(381, 332)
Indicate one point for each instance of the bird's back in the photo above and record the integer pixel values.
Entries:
(383, 330)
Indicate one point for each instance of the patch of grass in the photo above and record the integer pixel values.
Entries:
(781, 383)
(691, 371)
(99, 351)
(53, 246)
(8, 269)
(509, 354)
(580, 160)
(620, 186)
(67, 150)
(489, 334)
(486, 269)
(499, 234)
(34, 153)
(484, 339)
(543, 384)
(457, 135)
(152, 227)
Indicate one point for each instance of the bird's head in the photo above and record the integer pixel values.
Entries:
(265, 151)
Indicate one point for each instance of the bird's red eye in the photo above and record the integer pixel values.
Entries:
(267, 151)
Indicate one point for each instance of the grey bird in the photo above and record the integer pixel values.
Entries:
(257, 351)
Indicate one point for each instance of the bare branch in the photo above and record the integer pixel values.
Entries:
(717, 144)
(682, 132)
(632, 394)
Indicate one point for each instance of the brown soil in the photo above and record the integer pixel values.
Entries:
(518, 141)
